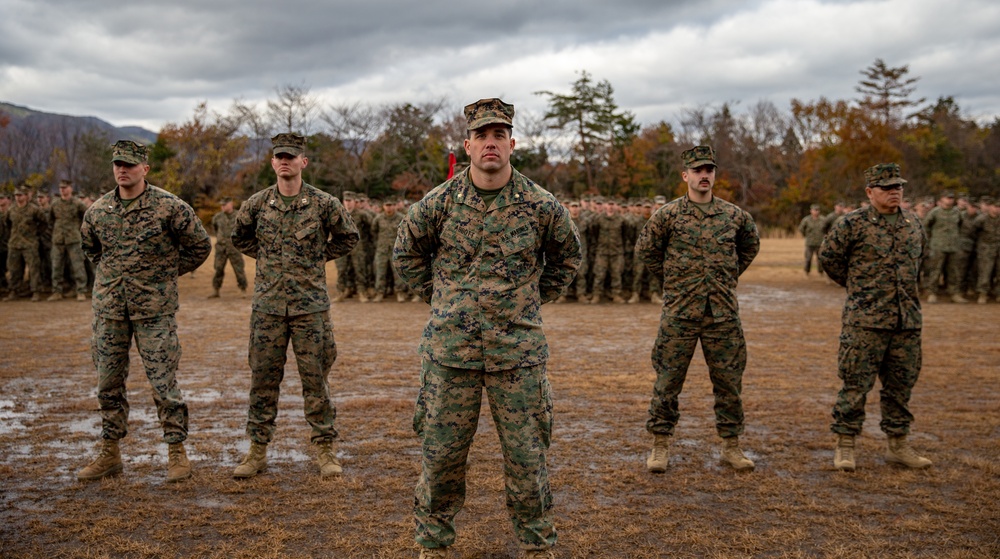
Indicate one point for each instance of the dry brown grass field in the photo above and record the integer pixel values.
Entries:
(794, 505)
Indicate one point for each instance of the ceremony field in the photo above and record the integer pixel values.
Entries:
(794, 505)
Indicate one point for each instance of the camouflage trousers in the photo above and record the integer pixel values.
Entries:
(312, 341)
(235, 259)
(812, 251)
(725, 352)
(345, 273)
(605, 265)
(17, 260)
(446, 418)
(946, 264)
(383, 267)
(988, 264)
(642, 280)
(73, 254)
(160, 350)
(3, 269)
(892, 356)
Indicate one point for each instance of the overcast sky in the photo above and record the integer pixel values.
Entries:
(150, 63)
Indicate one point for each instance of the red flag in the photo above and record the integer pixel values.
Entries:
(451, 164)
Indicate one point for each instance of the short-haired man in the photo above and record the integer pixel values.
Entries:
(486, 249)
(876, 253)
(223, 222)
(813, 228)
(67, 213)
(944, 226)
(140, 238)
(292, 229)
(699, 245)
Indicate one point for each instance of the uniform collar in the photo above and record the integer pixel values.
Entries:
(512, 193)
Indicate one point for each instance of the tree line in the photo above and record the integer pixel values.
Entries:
(773, 162)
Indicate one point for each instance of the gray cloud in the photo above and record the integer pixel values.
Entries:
(152, 62)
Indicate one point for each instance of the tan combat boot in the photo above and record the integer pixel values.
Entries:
(539, 554)
(55, 297)
(659, 456)
(982, 299)
(618, 299)
(361, 296)
(596, 299)
(560, 300)
(178, 465)
(434, 553)
(656, 298)
(899, 451)
(243, 292)
(633, 299)
(843, 456)
(732, 455)
(35, 297)
(932, 298)
(956, 298)
(81, 297)
(327, 461)
(214, 295)
(378, 298)
(400, 297)
(107, 463)
(254, 463)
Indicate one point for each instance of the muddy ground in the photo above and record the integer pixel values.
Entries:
(794, 505)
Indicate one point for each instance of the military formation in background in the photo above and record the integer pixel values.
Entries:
(962, 262)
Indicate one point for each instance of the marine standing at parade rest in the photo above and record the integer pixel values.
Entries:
(140, 238)
(292, 229)
(223, 223)
(875, 252)
(67, 217)
(25, 222)
(813, 227)
(486, 249)
(699, 245)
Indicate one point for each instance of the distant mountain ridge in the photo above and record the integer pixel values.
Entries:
(18, 113)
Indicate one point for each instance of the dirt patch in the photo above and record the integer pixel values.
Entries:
(794, 505)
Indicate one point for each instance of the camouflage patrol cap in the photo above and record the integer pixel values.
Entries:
(947, 194)
(883, 174)
(660, 199)
(129, 152)
(225, 200)
(698, 156)
(489, 111)
(986, 201)
(288, 142)
(349, 195)
(65, 182)
(814, 207)
(22, 189)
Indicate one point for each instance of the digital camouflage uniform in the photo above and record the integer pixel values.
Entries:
(4, 238)
(700, 256)
(292, 244)
(943, 228)
(988, 254)
(45, 251)
(813, 229)
(579, 285)
(485, 272)
(609, 262)
(879, 263)
(384, 232)
(67, 217)
(25, 224)
(138, 252)
(223, 224)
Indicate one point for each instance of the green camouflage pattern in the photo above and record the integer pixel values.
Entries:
(446, 418)
(311, 336)
(486, 273)
(384, 229)
(223, 224)
(944, 227)
(67, 217)
(725, 351)
(361, 254)
(291, 244)
(879, 264)
(71, 253)
(893, 356)
(25, 224)
(883, 174)
(290, 143)
(489, 111)
(698, 156)
(160, 350)
(140, 251)
(19, 259)
(129, 152)
(813, 229)
(988, 253)
(579, 284)
(699, 256)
